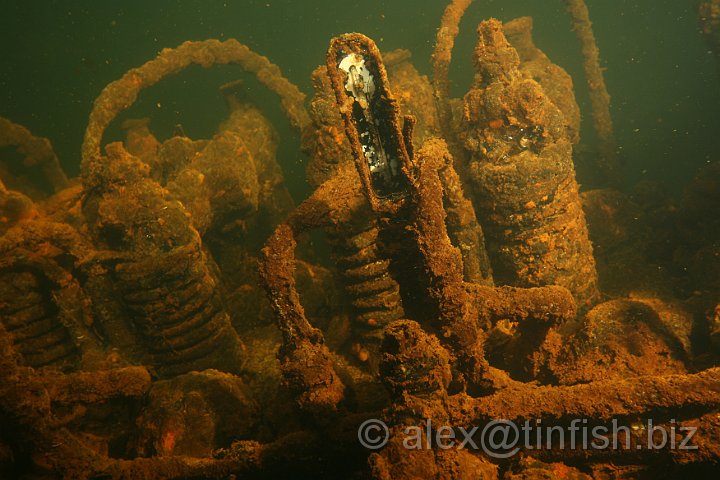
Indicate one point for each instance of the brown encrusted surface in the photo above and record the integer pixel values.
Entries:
(261, 140)
(556, 82)
(359, 252)
(599, 400)
(304, 357)
(373, 294)
(216, 409)
(233, 189)
(416, 368)
(122, 93)
(37, 153)
(414, 93)
(43, 306)
(327, 146)
(623, 338)
(363, 266)
(464, 229)
(128, 274)
(442, 55)
(523, 176)
(26, 399)
(465, 311)
(608, 163)
(160, 273)
(415, 96)
(529, 468)
(223, 179)
(140, 142)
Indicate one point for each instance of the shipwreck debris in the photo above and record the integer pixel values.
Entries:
(37, 153)
(523, 176)
(609, 165)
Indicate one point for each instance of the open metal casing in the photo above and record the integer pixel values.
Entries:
(381, 148)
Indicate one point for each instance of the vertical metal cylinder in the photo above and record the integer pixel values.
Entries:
(160, 272)
(373, 293)
(523, 176)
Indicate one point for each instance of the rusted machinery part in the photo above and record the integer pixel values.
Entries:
(465, 310)
(555, 81)
(131, 215)
(15, 207)
(415, 369)
(689, 443)
(38, 152)
(411, 195)
(121, 94)
(441, 58)
(464, 228)
(443, 264)
(609, 163)
(364, 268)
(305, 359)
(523, 176)
(383, 186)
(671, 402)
(40, 330)
(194, 332)
(601, 400)
(27, 399)
(43, 307)
(89, 387)
(372, 292)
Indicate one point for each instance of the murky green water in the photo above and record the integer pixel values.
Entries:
(57, 56)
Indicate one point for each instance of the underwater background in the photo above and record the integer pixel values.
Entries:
(57, 56)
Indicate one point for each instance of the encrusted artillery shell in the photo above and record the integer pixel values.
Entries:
(162, 274)
(555, 81)
(523, 176)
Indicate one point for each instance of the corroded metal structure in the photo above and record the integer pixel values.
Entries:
(134, 344)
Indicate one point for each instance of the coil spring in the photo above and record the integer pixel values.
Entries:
(374, 294)
(176, 307)
(30, 316)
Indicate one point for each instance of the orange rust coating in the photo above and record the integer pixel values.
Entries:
(523, 176)
(328, 145)
(162, 275)
(556, 82)
(465, 311)
(304, 357)
(600, 400)
(444, 42)
(355, 42)
(121, 94)
(89, 387)
(26, 397)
